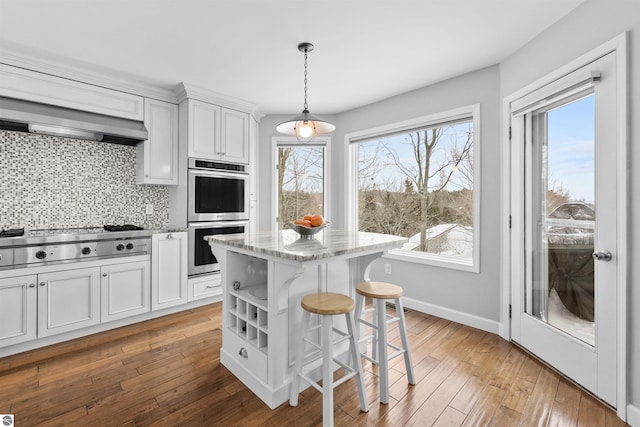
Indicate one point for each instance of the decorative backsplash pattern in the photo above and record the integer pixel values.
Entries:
(53, 182)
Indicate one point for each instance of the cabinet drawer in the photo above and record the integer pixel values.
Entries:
(205, 287)
(251, 358)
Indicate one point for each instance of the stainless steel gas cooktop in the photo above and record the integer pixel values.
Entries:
(49, 246)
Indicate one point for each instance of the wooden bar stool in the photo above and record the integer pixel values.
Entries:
(380, 292)
(327, 305)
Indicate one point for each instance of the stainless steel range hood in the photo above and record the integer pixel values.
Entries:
(26, 116)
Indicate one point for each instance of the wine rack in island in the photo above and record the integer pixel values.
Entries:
(247, 312)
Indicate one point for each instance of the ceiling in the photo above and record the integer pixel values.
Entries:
(365, 50)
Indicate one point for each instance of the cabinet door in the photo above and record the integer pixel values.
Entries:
(68, 300)
(235, 136)
(157, 157)
(125, 290)
(169, 270)
(17, 309)
(204, 130)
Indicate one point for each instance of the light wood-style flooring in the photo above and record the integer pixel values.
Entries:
(167, 372)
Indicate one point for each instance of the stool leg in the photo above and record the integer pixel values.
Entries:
(357, 364)
(374, 331)
(327, 372)
(383, 362)
(358, 313)
(295, 384)
(405, 342)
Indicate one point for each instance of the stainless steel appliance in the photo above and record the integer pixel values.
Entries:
(55, 246)
(201, 260)
(217, 191)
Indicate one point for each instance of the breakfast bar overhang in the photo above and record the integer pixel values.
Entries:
(264, 277)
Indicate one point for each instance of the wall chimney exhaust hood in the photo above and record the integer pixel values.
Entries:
(26, 116)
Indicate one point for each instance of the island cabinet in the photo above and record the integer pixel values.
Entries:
(264, 277)
(214, 132)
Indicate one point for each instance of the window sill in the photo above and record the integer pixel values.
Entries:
(449, 262)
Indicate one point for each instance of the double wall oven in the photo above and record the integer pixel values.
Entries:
(217, 203)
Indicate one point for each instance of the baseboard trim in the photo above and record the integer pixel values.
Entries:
(453, 315)
(633, 415)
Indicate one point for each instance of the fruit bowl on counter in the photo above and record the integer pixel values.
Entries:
(308, 227)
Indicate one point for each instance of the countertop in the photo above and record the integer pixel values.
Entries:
(328, 243)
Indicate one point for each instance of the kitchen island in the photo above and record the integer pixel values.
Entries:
(264, 277)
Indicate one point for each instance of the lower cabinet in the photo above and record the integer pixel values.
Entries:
(50, 303)
(124, 290)
(169, 276)
(206, 286)
(18, 309)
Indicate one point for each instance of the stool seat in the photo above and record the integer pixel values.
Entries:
(327, 303)
(380, 290)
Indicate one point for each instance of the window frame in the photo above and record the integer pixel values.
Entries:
(291, 141)
(352, 139)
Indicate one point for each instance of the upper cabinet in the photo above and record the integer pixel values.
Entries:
(157, 157)
(16, 82)
(235, 136)
(214, 132)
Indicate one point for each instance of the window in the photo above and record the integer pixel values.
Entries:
(300, 178)
(418, 179)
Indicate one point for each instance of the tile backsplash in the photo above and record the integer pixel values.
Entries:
(53, 182)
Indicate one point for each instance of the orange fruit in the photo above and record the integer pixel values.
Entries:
(308, 217)
(304, 222)
(317, 220)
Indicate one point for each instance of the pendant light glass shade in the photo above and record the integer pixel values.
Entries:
(305, 126)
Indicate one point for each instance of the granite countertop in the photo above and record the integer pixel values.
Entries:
(328, 243)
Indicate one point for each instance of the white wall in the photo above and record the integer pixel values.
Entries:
(588, 26)
(473, 294)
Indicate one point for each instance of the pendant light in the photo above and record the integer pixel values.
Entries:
(305, 126)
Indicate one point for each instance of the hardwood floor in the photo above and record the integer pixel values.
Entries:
(167, 372)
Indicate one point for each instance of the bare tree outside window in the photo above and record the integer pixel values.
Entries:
(419, 184)
(300, 182)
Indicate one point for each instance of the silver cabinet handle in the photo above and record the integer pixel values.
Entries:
(42, 283)
(602, 256)
(32, 285)
(104, 274)
(243, 352)
(169, 236)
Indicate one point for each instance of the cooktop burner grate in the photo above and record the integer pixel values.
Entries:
(13, 232)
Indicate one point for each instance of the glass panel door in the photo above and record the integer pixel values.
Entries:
(560, 291)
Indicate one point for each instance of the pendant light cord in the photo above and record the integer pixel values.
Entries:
(306, 106)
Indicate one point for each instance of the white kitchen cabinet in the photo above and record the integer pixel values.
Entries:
(169, 272)
(20, 83)
(205, 286)
(214, 132)
(234, 146)
(18, 309)
(68, 300)
(125, 290)
(157, 157)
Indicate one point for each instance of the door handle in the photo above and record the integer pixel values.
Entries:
(602, 256)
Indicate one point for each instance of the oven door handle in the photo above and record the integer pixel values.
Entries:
(218, 224)
(219, 174)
